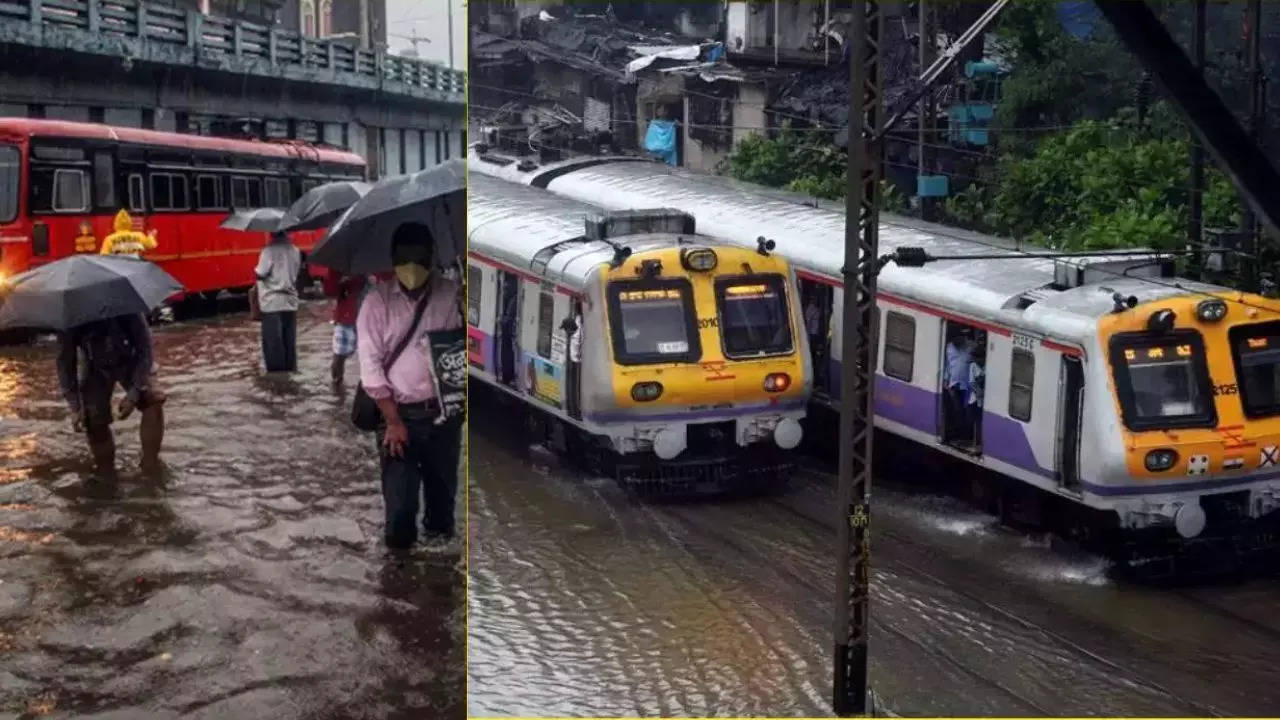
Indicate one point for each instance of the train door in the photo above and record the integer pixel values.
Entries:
(573, 361)
(1071, 404)
(816, 306)
(964, 364)
(508, 328)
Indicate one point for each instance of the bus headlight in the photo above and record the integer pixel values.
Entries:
(1160, 460)
(787, 434)
(1211, 310)
(646, 391)
(776, 382)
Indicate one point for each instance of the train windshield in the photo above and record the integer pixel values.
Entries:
(1163, 381)
(1256, 349)
(653, 321)
(754, 321)
(10, 177)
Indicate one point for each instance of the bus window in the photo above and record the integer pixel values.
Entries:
(275, 193)
(104, 179)
(169, 191)
(137, 194)
(246, 192)
(209, 193)
(9, 182)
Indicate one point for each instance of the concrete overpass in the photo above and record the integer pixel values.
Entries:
(142, 64)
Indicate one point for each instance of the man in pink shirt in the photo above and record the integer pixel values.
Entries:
(419, 454)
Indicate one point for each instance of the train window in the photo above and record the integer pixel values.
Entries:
(899, 346)
(1256, 351)
(104, 179)
(754, 321)
(137, 194)
(10, 179)
(475, 280)
(1022, 378)
(546, 321)
(1162, 380)
(653, 321)
(169, 191)
(209, 193)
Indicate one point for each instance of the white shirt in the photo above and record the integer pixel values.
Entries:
(575, 342)
(279, 263)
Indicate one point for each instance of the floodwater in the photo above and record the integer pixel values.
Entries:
(584, 601)
(248, 581)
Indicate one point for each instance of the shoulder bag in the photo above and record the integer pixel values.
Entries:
(364, 411)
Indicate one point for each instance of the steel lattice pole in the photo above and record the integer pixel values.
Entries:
(866, 114)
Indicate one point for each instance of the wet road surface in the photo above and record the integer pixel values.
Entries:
(248, 581)
(584, 601)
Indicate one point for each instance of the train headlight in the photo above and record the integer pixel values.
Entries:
(646, 391)
(1160, 460)
(787, 434)
(699, 260)
(776, 382)
(1211, 310)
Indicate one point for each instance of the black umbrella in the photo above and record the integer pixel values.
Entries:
(83, 288)
(360, 241)
(320, 206)
(255, 220)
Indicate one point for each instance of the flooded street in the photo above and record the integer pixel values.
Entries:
(585, 602)
(249, 581)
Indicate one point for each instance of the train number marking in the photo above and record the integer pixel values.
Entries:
(1226, 389)
(1024, 342)
(704, 323)
(715, 370)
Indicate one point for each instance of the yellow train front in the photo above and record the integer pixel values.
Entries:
(695, 370)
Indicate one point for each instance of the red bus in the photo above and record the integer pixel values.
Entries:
(62, 181)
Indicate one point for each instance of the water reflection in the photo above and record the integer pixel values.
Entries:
(244, 580)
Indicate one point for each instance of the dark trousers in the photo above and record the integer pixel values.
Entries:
(573, 390)
(430, 467)
(279, 341)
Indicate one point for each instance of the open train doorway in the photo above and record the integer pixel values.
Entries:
(964, 365)
(508, 328)
(816, 301)
(1069, 423)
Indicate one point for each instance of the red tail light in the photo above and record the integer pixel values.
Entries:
(776, 382)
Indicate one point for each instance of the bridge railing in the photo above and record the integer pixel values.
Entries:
(216, 36)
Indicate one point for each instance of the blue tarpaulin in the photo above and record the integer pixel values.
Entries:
(715, 53)
(660, 140)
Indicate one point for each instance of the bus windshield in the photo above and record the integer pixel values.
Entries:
(1163, 381)
(753, 316)
(10, 166)
(653, 321)
(1256, 350)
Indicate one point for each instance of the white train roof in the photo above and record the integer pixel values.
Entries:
(541, 233)
(810, 233)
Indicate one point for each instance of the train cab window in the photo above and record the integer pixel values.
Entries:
(1022, 383)
(899, 346)
(754, 321)
(475, 281)
(546, 321)
(1256, 351)
(137, 194)
(653, 321)
(209, 193)
(1163, 380)
(10, 178)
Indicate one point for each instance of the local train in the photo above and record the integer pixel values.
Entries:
(1124, 393)
(62, 184)
(674, 362)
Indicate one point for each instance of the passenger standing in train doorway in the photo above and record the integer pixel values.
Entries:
(817, 338)
(573, 368)
(959, 356)
(277, 272)
(420, 446)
